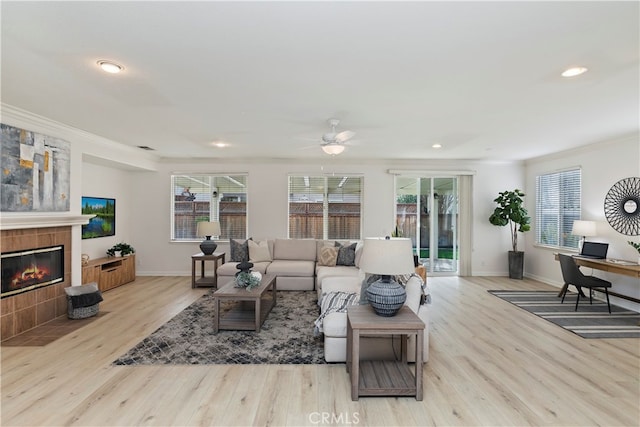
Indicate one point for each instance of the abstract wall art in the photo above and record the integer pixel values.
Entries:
(35, 171)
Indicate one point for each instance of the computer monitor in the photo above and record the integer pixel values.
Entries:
(594, 250)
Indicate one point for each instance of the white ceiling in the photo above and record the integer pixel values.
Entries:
(480, 78)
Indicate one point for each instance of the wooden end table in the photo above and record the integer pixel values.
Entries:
(250, 311)
(383, 377)
(203, 280)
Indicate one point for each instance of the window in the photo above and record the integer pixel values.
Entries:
(203, 197)
(558, 199)
(322, 207)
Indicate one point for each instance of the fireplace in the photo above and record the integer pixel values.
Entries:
(30, 269)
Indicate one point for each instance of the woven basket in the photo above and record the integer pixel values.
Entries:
(81, 312)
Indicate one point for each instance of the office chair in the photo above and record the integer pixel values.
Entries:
(573, 276)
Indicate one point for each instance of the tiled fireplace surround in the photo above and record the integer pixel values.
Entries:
(21, 312)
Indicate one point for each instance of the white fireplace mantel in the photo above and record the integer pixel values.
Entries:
(12, 221)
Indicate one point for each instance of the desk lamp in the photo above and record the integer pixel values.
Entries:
(583, 229)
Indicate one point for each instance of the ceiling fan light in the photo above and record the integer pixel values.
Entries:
(333, 149)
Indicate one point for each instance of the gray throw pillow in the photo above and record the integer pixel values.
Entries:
(368, 279)
(346, 254)
(239, 251)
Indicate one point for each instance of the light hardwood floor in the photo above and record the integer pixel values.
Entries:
(490, 364)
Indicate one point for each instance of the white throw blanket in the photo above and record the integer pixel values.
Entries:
(331, 303)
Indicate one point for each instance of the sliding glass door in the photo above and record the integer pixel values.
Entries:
(427, 213)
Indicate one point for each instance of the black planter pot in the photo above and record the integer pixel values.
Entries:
(516, 265)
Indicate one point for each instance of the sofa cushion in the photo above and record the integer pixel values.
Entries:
(259, 251)
(294, 249)
(328, 256)
(291, 268)
(323, 272)
(239, 250)
(346, 254)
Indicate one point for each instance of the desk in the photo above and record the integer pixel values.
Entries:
(627, 268)
(383, 377)
(205, 281)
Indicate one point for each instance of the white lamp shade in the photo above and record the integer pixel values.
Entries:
(208, 228)
(333, 149)
(387, 256)
(584, 228)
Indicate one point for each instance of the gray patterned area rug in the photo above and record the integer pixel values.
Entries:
(286, 337)
(589, 321)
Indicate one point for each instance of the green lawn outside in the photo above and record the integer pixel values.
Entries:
(443, 253)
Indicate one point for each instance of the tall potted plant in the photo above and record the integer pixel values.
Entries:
(511, 211)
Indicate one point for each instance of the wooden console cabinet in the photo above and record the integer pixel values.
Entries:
(110, 272)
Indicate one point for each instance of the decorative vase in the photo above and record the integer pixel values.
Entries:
(208, 246)
(117, 254)
(386, 296)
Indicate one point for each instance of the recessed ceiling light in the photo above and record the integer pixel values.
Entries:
(110, 67)
(436, 146)
(574, 71)
(220, 144)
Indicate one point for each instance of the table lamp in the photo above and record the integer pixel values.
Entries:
(207, 229)
(386, 257)
(583, 229)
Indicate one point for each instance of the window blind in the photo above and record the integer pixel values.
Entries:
(558, 204)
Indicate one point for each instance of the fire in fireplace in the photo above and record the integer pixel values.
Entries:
(23, 271)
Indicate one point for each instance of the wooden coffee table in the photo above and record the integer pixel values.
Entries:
(251, 307)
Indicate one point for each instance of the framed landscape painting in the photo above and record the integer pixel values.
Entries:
(104, 222)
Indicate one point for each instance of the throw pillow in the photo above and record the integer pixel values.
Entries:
(239, 251)
(346, 254)
(328, 256)
(259, 251)
(368, 279)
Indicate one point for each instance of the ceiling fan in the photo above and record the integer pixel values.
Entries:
(333, 142)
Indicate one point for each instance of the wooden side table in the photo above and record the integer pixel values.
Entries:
(383, 377)
(203, 280)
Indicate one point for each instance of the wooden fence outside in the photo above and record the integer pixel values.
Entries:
(305, 221)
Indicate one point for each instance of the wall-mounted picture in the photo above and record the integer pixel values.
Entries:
(104, 222)
(35, 171)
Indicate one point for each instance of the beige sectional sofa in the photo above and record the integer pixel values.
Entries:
(295, 262)
(301, 265)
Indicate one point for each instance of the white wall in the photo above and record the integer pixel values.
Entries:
(112, 179)
(104, 181)
(268, 200)
(602, 165)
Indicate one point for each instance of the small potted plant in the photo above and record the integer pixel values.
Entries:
(121, 249)
(247, 280)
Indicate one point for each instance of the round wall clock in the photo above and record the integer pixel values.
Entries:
(622, 206)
